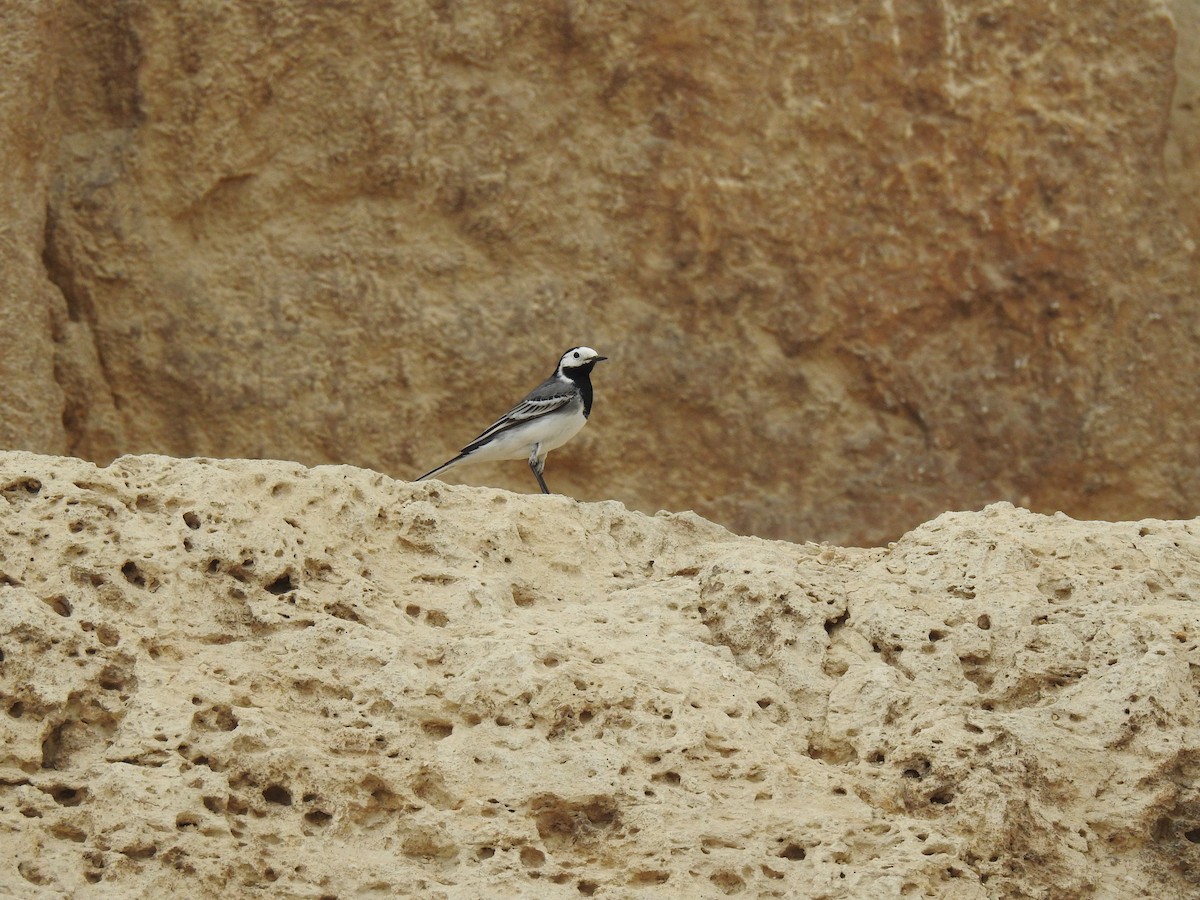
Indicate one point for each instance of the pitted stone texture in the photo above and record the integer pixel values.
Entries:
(222, 677)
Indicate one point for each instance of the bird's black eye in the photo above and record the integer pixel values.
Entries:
(576, 354)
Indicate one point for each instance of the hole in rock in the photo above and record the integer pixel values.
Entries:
(191, 520)
(28, 485)
(133, 574)
(793, 852)
(317, 817)
(532, 857)
(485, 852)
(832, 625)
(59, 604)
(113, 679)
(587, 888)
(343, 611)
(69, 832)
(569, 821)
(650, 876)
(984, 622)
(219, 718)
(277, 793)
(728, 882)
(51, 747)
(281, 585)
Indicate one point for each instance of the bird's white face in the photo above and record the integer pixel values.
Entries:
(579, 356)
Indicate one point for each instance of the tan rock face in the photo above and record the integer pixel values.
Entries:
(31, 399)
(853, 265)
(220, 677)
(1183, 138)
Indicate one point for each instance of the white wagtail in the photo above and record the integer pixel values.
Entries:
(549, 416)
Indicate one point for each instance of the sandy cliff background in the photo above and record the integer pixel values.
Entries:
(854, 264)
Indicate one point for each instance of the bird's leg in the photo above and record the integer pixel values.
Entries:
(536, 465)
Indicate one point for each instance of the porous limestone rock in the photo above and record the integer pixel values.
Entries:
(224, 678)
(854, 264)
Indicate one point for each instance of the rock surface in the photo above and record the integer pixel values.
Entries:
(854, 265)
(224, 677)
(1183, 136)
(31, 397)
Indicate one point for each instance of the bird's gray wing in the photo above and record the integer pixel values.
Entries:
(552, 394)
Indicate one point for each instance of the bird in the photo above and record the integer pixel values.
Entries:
(549, 416)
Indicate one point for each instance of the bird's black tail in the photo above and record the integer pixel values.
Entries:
(449, 464)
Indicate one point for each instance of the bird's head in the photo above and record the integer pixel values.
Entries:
(580, 358)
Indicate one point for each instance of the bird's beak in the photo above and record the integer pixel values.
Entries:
(599, 358)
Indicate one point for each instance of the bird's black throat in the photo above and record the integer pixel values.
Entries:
(582, 376)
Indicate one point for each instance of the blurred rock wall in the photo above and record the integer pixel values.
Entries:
(853, 265)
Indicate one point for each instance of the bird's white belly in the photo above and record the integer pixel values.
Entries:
(551, 432)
